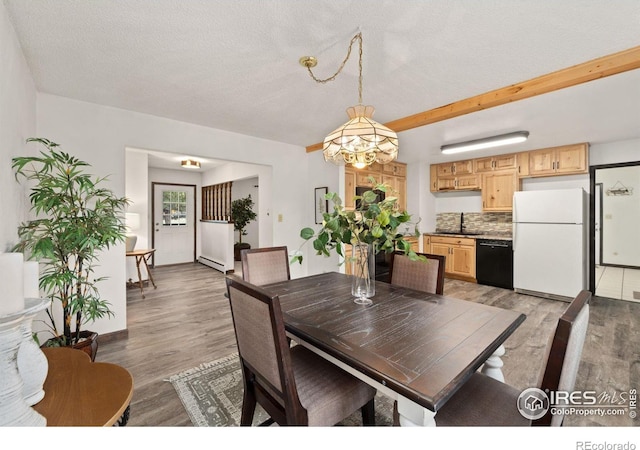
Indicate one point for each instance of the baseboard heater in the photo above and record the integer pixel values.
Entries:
(213, 264)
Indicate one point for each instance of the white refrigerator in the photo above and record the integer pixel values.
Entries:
(550, 243)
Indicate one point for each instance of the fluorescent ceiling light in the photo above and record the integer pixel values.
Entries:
(493, 141)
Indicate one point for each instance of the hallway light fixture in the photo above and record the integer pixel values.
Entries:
(361, 141)
(190, 164)
(488, 142)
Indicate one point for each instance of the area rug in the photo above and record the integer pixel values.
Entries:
(212, 395)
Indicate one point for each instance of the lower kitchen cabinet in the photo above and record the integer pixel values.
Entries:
(459, 253)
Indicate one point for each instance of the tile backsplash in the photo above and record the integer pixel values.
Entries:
(486, 223)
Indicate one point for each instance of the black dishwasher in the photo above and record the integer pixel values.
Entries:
(494, 262)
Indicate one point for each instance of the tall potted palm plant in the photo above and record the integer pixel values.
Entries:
(75, 220)
(241, 214)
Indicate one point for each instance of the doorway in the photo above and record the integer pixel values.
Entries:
(173, 233)
(614, 241)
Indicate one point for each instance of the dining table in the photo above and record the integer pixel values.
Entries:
(415, 347)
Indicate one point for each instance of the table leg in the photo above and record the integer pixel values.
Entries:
(124, 419)
(138, 258)
(492, 367)
(149, 272)
(413, 415)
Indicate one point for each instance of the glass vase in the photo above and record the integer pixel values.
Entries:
(363, 285)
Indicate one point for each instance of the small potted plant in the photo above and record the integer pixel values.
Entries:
(241, 214)
(373, 227)
(76, 220)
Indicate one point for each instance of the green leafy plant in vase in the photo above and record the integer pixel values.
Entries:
(372, 227)
(241, 214)
(76, 220)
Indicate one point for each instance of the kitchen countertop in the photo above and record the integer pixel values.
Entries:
(497, 236)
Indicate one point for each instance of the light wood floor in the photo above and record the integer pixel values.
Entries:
(186, 321)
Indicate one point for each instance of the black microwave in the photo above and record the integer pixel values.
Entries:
(360, 190)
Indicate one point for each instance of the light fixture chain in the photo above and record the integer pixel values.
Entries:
(357, 37)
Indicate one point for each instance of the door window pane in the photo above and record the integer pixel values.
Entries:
(174, 208)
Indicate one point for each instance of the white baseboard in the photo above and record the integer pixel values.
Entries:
(213, 264)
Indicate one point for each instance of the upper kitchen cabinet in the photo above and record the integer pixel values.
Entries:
(397, 188)
(392, 174)
(455, 168)
(363, 179)
(394, 168)
(492, 163)
(458, 175)
(498, 188)
(499, 176)
(564, 160)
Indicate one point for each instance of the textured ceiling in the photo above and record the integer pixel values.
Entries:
(233, 64)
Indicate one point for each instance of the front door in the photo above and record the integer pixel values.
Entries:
(173, 223)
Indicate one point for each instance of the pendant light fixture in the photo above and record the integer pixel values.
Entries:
(190, 164)
(361, 141)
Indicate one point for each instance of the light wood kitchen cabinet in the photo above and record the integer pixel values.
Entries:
(459, 253)
(564, 160)
(397, 188)
(347, 255)
(458, 183)
(433, 178)
(455, 168)
(498, 188)
(454, 176)
(394, 168)
(349, 189)
(364, 178)
(348, 251)
(499, 162)
(413, 241)
(393, 174)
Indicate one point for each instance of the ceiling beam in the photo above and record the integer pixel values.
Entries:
(571, 76)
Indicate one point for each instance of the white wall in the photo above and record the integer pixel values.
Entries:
(241, 189)
(320, 174)
(263, 174)
(100, 135)
(614, 152)
(136, 190)
(17, 123)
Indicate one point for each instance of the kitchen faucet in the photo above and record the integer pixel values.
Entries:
(461, 222)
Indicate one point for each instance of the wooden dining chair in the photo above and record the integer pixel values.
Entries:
(292, 384)
(425, 276)
(484, 401)
(266, 265)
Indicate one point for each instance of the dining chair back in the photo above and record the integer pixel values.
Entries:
(266, 265)
(563, 359)
(292, 384)
(425, 276)
(484, 401)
